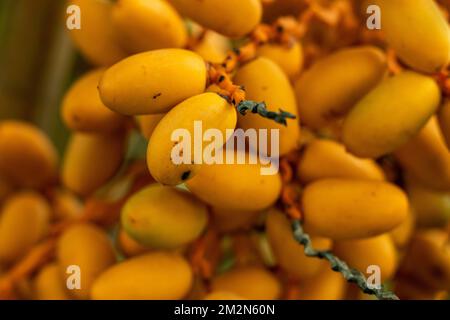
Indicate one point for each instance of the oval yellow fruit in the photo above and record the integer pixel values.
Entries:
(128, 246)
(91, 160)
(172, 156)
(152, 82)
(232, 18)
(148, 123)
(88, 247)
(154, 276)
(390, 115)
(97, 37)
(228, 220)
(323, 159)
(66, 205)
(343, 209)
(254, 283)
(332, 86)
(327, 285)
(288, 252)
(163, 217)
(144, 25)
(49, 285)
(213, 47)
(289, 59)
(265, 82)
(444, 121)
(24, 220)
(82, 109)
(418, 32)
(28, 158)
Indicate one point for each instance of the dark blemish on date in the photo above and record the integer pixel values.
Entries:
(185, 175)
(157, 95)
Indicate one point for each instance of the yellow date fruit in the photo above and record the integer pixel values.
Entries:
(213, 47)
(128, 246)
(222, 295)
(97, 37)
(172, 156)
(288, 58)
(152, 82)
(49, 285)
(444, 121)
(249, 282)
(88, 247)
(228, 220)
(24, 220)
(327, 285)
(232, 18)
(288, 252)
(390, 115)
(153, 276)
(323, 159)
(164, 217)
(265, 82)
(332, 86)
(418, 32)
(343, 209)
(82, 109)
(426, 158)
(401, 235)
(148, 123)
(28, 158)
(91, 160)
(66, 205)
(144, 25)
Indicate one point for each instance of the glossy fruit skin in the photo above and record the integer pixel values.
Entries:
(97, 38)
(289, 59)
(24, 221)
(49, 285)
(212, 110)
(444, 121)
(323, 159)
(418, 32)
(148, 123)
(144, 25)
(249, 282)
(327, 285)
(377, 251)
(28, 158)
(213, 47)
(264, 81)
(390, 115)
(82, 109)
(289, 253)
(153, 276)
(353, 209)
(332, 86)
(152, 82)
(86, 246)
(426, 158)
(402, 234)
(235, 186)
(91, 160)
(232, 18)
(163, 217)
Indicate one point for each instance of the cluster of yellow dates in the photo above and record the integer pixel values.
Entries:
(373, 168)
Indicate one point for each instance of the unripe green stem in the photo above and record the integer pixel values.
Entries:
(261, 109)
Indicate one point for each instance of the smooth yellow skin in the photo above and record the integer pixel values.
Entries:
(222, 295)
(427, 158)
(49, 285)
(212, 110)
(428, 258)
(444, 121)
(288, 252)
(249, 282)
(153, 82)
(24, 220)
(154, 276)
(402, 234)
(28, 158)
(360, 254)
(323, 159)
(130, 247)
(82, 109)
(66, 205)
(164, 217)
(228, 220)
(144, 25)
(88, 247)
(390, 115)
(332, 86)
(327, 285)
(289, 59)
(232, 18)
(97, 38)
(148, 123)
(213, 47)
(418, 32)
(236, 186)
(91, 160)
(264, 81)
(431, 208)
(353, 208)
